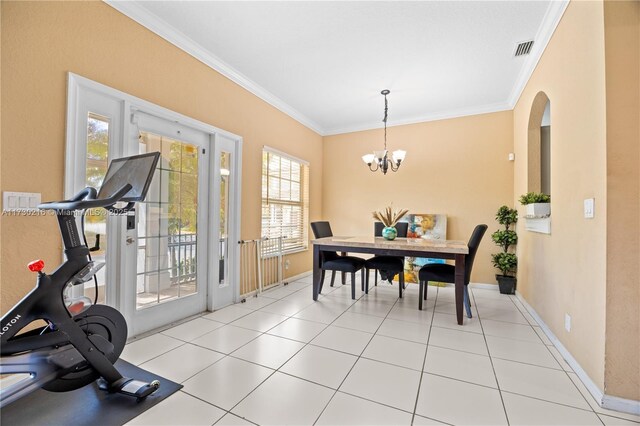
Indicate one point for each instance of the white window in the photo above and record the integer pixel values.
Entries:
(285, 201)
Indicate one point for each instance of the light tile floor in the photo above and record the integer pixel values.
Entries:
(281, 359)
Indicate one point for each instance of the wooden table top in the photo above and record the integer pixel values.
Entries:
(413, 244)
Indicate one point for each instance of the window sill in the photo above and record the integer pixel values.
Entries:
(294, 251)
(284, 253)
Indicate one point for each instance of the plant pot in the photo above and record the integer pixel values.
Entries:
(507, 284)
(389, 233)
(538, 210)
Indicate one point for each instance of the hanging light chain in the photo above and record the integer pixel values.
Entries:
(386, 113)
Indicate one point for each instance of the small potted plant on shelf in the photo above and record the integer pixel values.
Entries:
(389, 218)
(536, 204)
(506, 261)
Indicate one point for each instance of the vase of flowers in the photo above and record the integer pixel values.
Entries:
(389, 218)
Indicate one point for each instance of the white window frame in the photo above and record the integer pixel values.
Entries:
(303, 203)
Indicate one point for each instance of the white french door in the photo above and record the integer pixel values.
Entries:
(165, 256)
(224, 235)
(181, 255)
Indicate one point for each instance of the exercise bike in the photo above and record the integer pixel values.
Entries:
(81, 340)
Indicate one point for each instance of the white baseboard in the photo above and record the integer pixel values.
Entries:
(297, 277)
(484, 286)
(621, 404)
(286, 281)
(605, 401)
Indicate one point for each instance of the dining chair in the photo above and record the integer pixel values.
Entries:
(442, 272)
(331, 261)
(388, 266)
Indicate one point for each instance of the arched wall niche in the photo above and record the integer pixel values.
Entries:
(535, 153)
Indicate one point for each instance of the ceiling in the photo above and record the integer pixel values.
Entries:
(325, 62)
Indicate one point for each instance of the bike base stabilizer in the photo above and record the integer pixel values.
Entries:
(130, 387)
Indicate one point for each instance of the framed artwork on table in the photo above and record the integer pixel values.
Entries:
(428, 226)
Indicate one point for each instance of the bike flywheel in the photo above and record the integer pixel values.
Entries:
(99, 322)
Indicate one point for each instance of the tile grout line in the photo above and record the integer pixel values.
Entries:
(493, 368)
(357, 359)
(353, 366)
(208, 403)
(304, 346)
(537, 398)
(182, 343)
(160, 331)
(328, 387)
(424, 360)
(274, 370)
(250, 311)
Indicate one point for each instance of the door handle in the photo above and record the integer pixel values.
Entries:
(130, 240)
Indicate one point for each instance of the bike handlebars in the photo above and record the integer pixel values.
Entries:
(85, 199)
(86, 193)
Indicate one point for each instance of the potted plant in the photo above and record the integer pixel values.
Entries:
(506, 261)
(536, 204)
(389, 218)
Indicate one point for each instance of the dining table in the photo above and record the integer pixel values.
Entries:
(406, 247)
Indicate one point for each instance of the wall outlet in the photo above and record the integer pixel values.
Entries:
(589, 208)
(567, 322)
(512, 156)
(287, 263)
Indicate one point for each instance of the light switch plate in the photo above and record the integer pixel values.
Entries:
(589, 208)
(20, 201)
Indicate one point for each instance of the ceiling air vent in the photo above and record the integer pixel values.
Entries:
(524, 48)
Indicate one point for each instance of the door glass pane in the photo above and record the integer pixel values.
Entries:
(167, 226)
(96, 219)
(225, 173)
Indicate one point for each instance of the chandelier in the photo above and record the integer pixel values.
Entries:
(381, 158)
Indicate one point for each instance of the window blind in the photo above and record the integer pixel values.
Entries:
(285, 202)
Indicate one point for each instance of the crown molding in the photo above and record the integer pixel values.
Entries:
(442, 115)
(156, 25)
(549, 24)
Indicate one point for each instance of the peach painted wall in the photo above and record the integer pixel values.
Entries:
(458, 167)
(41, 42)
(622, 56)
(565, 272)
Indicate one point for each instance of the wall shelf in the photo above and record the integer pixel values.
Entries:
(541, 225)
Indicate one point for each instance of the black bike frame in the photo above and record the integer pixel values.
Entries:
(46, 302)
(68, 344)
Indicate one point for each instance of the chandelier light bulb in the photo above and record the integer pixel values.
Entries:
(399, 155)
(380, 154)
(368, 158)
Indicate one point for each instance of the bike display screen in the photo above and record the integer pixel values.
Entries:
(136, 171)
